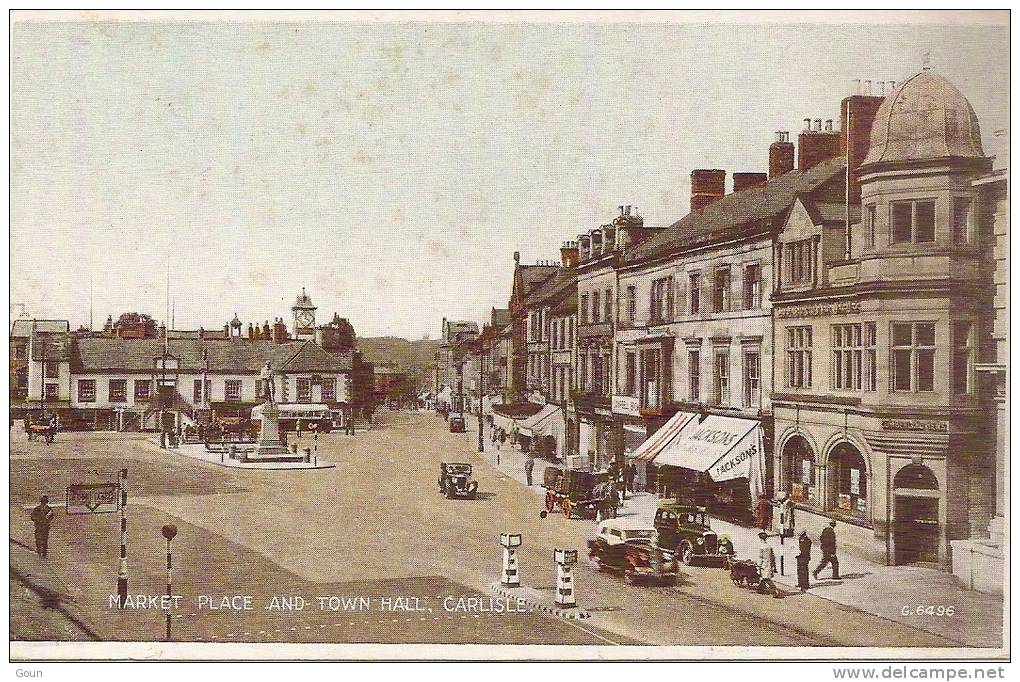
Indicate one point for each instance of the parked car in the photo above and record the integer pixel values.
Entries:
(457, 424)
(455, 480)
(684, 530)
(629, 547)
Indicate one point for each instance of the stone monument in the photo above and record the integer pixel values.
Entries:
(270, 447)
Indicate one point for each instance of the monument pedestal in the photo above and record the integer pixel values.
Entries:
(270, 448)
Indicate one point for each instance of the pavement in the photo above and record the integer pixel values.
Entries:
(907, 591)
(376, 528)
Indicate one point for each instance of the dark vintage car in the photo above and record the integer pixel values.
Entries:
(579, 493)
(684, 530)
(455, 480)
(629, 548)
(457, 424)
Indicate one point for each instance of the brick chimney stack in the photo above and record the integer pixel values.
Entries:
(743, 181)
(781, 154)
(568, 254)
(856, 116)
(707, 185)
(816, 145)
(279, 331)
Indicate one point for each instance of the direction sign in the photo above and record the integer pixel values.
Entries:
(92, 498)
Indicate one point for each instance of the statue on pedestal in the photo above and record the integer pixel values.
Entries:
(268, 383)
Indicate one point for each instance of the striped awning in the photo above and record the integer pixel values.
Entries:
(650, 449)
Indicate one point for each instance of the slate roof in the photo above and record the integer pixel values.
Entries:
(242, 356)
(553, 287)
(22, 329)
(822, 212)
(729, 216)
(501, 317)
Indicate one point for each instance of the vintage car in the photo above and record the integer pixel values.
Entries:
(684, 530)
(455, 480)
(457, 424)
(580, 493)
(628, 547)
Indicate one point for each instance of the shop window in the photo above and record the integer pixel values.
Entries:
(799, 462)
(798, 357)
(86, 390)
(695, 293)
(232, 390)
(118, 390)
(913, 356)
(962, 357)
(752, 379)
(849, 479)
(694, 375)
(143, 389)
(913, 221)
(721, 376)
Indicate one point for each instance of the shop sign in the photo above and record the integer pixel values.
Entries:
(820, 310)
(625, 404)
(914, 425)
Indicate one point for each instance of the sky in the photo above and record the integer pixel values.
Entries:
(392, 169)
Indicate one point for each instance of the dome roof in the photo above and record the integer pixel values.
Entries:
(926, 117)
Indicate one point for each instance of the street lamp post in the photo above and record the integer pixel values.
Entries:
(481, 385)
(169, 532)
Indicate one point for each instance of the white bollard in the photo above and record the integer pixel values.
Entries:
(511, 576)
(565, 560)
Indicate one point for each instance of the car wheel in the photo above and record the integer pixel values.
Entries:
(686, 553)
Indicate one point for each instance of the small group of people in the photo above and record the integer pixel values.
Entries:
(767, 556)
(170, 438)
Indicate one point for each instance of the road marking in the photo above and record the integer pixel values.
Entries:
(571, 623)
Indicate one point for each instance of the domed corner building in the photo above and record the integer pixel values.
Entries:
(881, 320)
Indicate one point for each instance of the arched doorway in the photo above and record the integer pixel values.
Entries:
(916, 516)
(800, 470)
(848, 481)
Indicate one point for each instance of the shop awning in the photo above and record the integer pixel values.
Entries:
(723, 447)
(651, 448)
(445, 396)
(546, 422)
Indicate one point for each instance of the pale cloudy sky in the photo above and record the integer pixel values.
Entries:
(393, 169)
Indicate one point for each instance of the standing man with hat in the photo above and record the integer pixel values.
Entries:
(42, 517)
(804, 561)
(828, 543)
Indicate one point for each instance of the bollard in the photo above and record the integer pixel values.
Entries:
(565, 560)
(511, 576)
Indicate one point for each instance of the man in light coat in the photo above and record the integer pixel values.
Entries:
(766, 556)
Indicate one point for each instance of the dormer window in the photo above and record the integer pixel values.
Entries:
(913, 221)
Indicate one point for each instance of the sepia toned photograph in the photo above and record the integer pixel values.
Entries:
(568, 336)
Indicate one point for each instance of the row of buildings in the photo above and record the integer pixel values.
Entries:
(834, 329)
(134, 372)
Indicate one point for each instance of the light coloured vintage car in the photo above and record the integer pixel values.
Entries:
(629, 547)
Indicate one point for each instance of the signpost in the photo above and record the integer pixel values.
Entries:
(169, 532)
(93, 498)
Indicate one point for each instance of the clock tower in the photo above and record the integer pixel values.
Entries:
(304, 317)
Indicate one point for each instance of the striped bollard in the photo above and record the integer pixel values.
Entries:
(565, 560)
(122, 571)
(511, 576)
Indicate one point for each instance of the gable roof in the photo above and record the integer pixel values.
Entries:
(242, 356)
(729, 216)
(826, 212)
(553, 287)
(22, 329)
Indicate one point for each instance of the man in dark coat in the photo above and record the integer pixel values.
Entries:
(631, 475)
(42, 517)
(804, 561)
(828, 543)
(529, 466)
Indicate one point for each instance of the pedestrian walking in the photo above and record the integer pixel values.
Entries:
(828, 543)
(763, 513)
(631, 476)
(787, 520)
(42, 517)
(162, 439)
(804, 561)
(766, 556)
(529, 466)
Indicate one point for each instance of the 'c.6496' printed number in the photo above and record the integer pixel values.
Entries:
(922, 610)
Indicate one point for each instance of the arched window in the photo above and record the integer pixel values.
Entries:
(917, 477)
(801, 476)
(848, 476)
